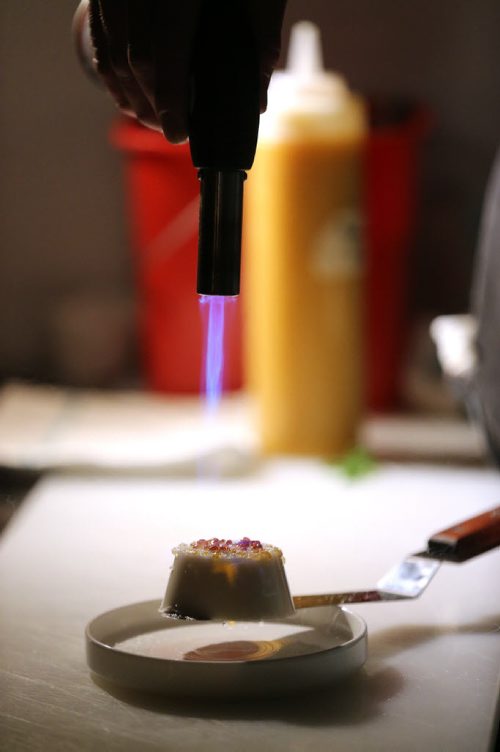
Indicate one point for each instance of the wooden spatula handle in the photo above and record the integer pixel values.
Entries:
(468, 538)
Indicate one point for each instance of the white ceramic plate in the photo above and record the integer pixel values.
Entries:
(134, 646)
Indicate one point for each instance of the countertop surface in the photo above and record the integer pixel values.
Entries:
(80, 545)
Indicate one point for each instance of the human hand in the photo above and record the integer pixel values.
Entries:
(142, 51)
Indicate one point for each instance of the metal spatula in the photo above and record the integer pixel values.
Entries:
(410, 578)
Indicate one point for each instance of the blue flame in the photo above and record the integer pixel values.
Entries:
(214, 308)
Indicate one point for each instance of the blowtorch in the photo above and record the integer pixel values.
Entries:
(223, 126)
(223, 129)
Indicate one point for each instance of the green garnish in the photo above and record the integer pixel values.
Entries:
(356, 463)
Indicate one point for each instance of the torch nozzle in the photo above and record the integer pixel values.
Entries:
(219, 248)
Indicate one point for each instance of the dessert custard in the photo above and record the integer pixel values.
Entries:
(224, 579)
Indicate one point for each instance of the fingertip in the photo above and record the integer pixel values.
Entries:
(173, 127)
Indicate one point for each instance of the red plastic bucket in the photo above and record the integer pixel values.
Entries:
(392, 201)
(163, 198)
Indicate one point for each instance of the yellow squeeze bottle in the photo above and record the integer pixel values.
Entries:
(303, 261)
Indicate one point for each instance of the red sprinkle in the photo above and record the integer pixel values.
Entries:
(222, 545)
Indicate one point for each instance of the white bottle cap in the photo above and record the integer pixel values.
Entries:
(304, 89)
(305, 57)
